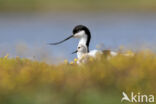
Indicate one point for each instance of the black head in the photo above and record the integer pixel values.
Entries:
(80, 28)
(77, 34)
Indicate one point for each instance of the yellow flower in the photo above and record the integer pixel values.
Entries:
(75, 60)
(66, 61)
(71, 62)
(7, 55)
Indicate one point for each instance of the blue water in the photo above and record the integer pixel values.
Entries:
(27, 34)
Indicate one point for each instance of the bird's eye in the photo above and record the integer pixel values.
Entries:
(78, 47)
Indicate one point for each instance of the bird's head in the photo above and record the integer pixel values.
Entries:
(80, 31)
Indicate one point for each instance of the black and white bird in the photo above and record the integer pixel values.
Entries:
(83, 55)
(84, 35)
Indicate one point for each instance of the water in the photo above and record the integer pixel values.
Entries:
(27, 34)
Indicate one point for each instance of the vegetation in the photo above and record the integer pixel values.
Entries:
(99, 81)
(72, 5)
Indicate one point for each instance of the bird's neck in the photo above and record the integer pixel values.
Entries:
(84, 41)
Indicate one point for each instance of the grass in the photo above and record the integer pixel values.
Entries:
(99, 81)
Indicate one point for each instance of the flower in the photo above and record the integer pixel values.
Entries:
(75, 60)
(66, 61)
(7, 55)
(71, 63)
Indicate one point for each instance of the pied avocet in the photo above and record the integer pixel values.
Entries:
(83, 34)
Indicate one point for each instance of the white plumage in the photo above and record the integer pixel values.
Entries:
(83, 54)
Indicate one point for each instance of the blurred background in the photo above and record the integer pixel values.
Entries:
(26, 26)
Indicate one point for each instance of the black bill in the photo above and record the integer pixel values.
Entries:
(75, 52)
(61, 41)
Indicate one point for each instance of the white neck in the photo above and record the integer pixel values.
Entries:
(83, 40)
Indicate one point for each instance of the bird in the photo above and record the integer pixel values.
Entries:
(80, 32)
(83, 55)
(83, 33)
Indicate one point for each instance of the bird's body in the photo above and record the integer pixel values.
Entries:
(93, 53)
(83, 55)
